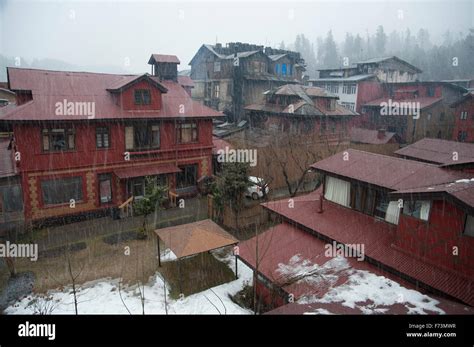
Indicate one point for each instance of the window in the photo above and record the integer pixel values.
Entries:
(362, 198)
(142, 97)
(431, 91)
(102, 137)
(137, 187)
(277, 69)
(463, 115)
(145, 136)
(462, 135)
(349, 105)
(58, 139)
(381, 204)
(469, 226)
(393, 212)
(352, 89)
(283, 69)
(290, 70)
(217, 66)
(208, 90)
(337, 190)
(441, 116)
(187, 177)
(186, 132)
(215, 92)
(11, 198)
(61, 191)
(417, 209)
(105, 188)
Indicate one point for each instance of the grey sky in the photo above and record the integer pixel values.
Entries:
(114, 32)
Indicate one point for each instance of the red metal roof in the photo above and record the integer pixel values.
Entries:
(50, 87)
(424, 101)
(463, 190)
(384, 171)
(361, 135)
(219, 145)
(377, 236)
(164, 58)
(150, 170)
(185, 81)
(439, 151)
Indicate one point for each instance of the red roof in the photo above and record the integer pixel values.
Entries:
(424, 101)
(149, 170)
(384, 171)
(439, 151)
(186, 81)
(164, 58)
(361, 135)
(462, 190)
(50, 87)
(377, 236)
(7, 166)
(219, 145)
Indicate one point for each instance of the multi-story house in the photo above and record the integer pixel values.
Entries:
(83, 143)
(414, 110)
(361, 82)
(304, 110)
(228, 78)
(463, 110)
(412, 220)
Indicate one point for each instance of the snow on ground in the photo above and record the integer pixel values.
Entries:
(362, 286)
(103, 297)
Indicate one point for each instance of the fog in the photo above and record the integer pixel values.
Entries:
(123, 34)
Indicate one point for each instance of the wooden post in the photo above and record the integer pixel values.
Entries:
(236, 268)
(159, 254)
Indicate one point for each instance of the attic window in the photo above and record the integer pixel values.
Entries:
(217, 66)
(142, 97)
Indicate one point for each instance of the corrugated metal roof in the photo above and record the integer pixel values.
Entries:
(424, 101)
(354, 78)
(377, 236)
(384, 171)
(50, 87)
(186, 81)
(439, 151)
(150, 170)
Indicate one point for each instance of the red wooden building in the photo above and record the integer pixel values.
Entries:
(464, 118)
(414, 219)
(85, 142)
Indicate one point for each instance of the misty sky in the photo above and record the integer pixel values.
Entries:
(91, 33)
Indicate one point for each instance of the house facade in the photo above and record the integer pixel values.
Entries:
(303, 110)
(83, 143)
(414, 110)
(228, 78)
(413, 220)
(463, 110)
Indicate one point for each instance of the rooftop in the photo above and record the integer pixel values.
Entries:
(439, 151)
(49, 87)
(384, 171)
(375, 137)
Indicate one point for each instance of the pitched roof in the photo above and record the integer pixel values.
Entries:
(369, 136)
(193, 238)
(465, 97)
(462, 190)
(354, 78)
(186, 81)
(129, 81)
(424, 101)
(382, 59)
(439, 151)
(384, 171)
(377, 236)
(49, 87)
(163, 58)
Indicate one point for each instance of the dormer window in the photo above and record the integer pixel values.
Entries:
(142, 97)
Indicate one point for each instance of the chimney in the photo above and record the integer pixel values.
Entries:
(319, 204)
(381, 134)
